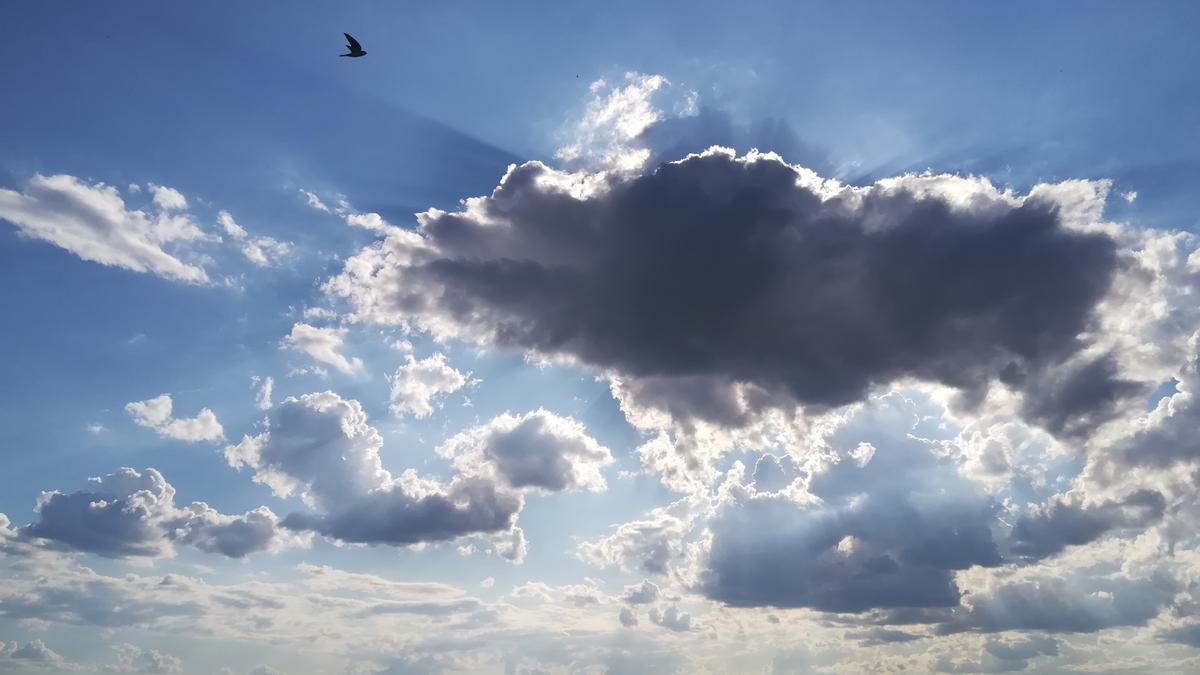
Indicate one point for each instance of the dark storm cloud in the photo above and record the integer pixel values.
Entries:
(1060, 524)
(739, 270)
(1076, 401)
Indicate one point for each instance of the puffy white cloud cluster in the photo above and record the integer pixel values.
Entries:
(156, 414)
(418, 384)
(324, 345)
(93, 222)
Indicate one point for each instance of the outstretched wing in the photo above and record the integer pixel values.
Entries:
(352, 43)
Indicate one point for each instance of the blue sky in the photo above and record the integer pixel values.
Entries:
(830, 410)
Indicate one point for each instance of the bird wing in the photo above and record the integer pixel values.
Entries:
(352, 43)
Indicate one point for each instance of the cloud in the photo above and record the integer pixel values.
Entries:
(93, 222)
(370, 221)
(155, 414)
(263, 399)
(168, 199)
(314, 201)
(538, 450)
(614, 118)
(718, 271)
(31, 656)
(417, 384)
(321, 447)
(1064, 602)
(1000, 656)
(889, 528)
(671, 618)
(262, 251)
(627, 617)
(131, 514)
(654, 545)
(131, 659)
(641, 594)
(323, 345)
(876, 636)
(1050, 529)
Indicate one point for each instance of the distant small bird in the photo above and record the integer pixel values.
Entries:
(356, 49)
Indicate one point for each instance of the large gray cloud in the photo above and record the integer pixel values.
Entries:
(889, 526)
(751, 270)
(321, 447)
(1064, 603)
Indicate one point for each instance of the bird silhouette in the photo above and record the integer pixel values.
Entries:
(356, 49)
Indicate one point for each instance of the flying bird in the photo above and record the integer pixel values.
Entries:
(356, 49)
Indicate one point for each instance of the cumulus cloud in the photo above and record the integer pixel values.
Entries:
(133, 514)
(323, 345)
(671, 618)
(131, 659)
(1049, 529)
(641, 594)
(93, 222)
(31, 656)
(168, 199)
(655, 544)
(321, 447)
(156, 414)
(538, 450)
(418, 384)
(262, 251)
(718, 271)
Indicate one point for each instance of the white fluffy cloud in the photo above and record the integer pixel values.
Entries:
(418, 384)
(323, 344)
(615, 116)
(168, 199)
(93, 222)
(156, 414)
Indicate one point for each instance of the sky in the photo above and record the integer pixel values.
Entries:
(625, 337)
